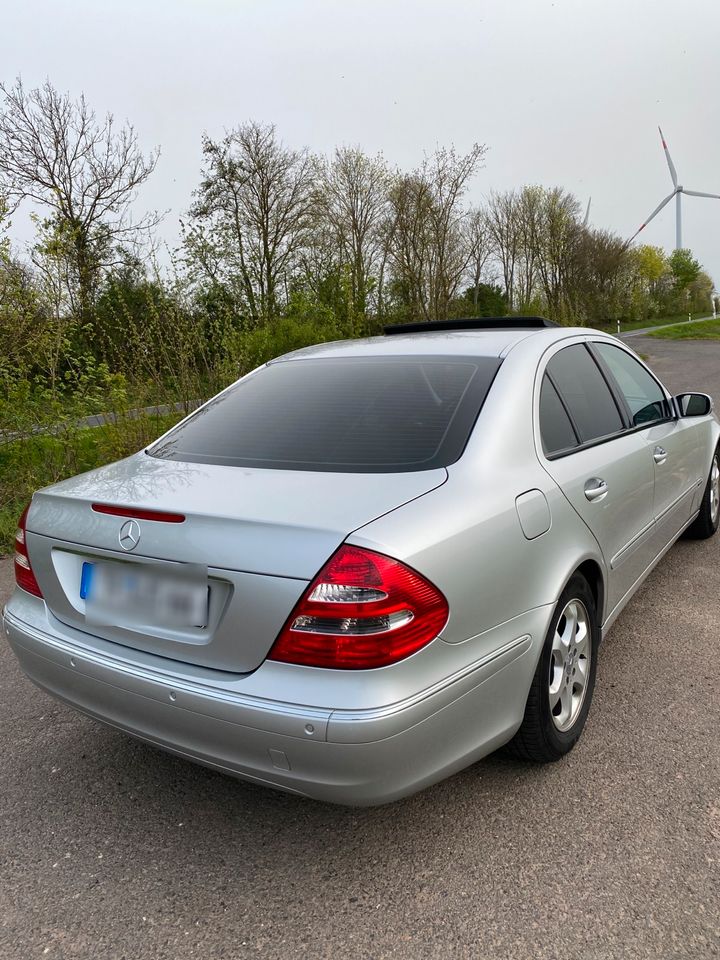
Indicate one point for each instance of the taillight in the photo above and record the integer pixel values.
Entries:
(24, 576)
(362, 610)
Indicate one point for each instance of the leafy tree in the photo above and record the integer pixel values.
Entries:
(126, 302)
(652, 266)
(701, 289)
(602, 277)
(22, 323)
(483, 300)
(685, 268)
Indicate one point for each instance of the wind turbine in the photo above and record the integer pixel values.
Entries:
(678, 191)
(587, 213)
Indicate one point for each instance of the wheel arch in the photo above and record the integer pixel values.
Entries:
(591, 571)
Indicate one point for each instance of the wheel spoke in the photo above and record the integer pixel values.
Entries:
(582, 639)
(565, 703)
(571, 620)
(560, 646)
(555, 696)
(556, 676)
(582, 671)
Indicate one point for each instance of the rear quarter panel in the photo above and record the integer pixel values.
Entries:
(466, 535)
(468, 540)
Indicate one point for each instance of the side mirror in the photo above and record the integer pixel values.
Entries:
(693, 404)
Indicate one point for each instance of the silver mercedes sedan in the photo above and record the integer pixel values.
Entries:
(367, 564)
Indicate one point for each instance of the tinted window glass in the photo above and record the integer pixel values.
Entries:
(357, 415)
(586, 395)
(642, 393)
(555, 427)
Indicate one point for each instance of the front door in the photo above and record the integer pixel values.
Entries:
(672, 448)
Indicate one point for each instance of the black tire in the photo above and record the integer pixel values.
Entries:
(539, 739)
(705, 525)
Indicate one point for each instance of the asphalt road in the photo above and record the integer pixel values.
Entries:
(109, 849)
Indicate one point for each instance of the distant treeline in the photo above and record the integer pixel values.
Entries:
(279, 247)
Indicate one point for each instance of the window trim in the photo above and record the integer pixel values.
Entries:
(587, 341)
(588, 445)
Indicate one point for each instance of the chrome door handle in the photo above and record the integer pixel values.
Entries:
(595, 489)
(659, 454)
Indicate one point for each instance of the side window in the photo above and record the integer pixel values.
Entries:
(642, 392)
(586, 394)
(555, 428)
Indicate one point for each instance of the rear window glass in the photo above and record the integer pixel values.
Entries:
(555, 428)
(368, 415)
(586, 395)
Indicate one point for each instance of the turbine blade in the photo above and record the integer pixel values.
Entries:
(655, 212)
(695, 193)
(587, 213)
(671, 165)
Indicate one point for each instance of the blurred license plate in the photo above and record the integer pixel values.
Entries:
(128, 593)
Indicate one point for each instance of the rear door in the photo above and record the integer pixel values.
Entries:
(604, 470)
(672, 446)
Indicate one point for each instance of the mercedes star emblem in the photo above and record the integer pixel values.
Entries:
(129, 535)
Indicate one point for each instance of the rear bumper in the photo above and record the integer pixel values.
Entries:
(358, 757)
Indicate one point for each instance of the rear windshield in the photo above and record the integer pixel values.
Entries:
(354, 415)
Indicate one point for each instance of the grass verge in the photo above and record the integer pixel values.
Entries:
(625, 325)
(30, 463)
(707, 330)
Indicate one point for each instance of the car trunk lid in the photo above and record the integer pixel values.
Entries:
(253, 537)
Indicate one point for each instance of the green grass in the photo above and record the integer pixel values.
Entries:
(625, 325)
(707, 330)
(28, 464)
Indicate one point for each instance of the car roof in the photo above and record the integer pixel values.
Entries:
(469, 343)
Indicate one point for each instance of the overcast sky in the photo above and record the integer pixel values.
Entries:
(565, 93)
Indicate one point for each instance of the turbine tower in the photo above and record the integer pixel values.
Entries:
(678, 191)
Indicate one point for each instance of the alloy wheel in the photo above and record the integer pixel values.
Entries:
(570, 662)
(714, 490)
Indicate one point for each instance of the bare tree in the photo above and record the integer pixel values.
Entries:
(477, 240)
(252, 213)
(503, 223)
(428, 249)
(351, 197)
(560, 232)
(408, 241)
(84, 172)
(529, 223)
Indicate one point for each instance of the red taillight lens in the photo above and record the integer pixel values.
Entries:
(362, 610)
(24, 576)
